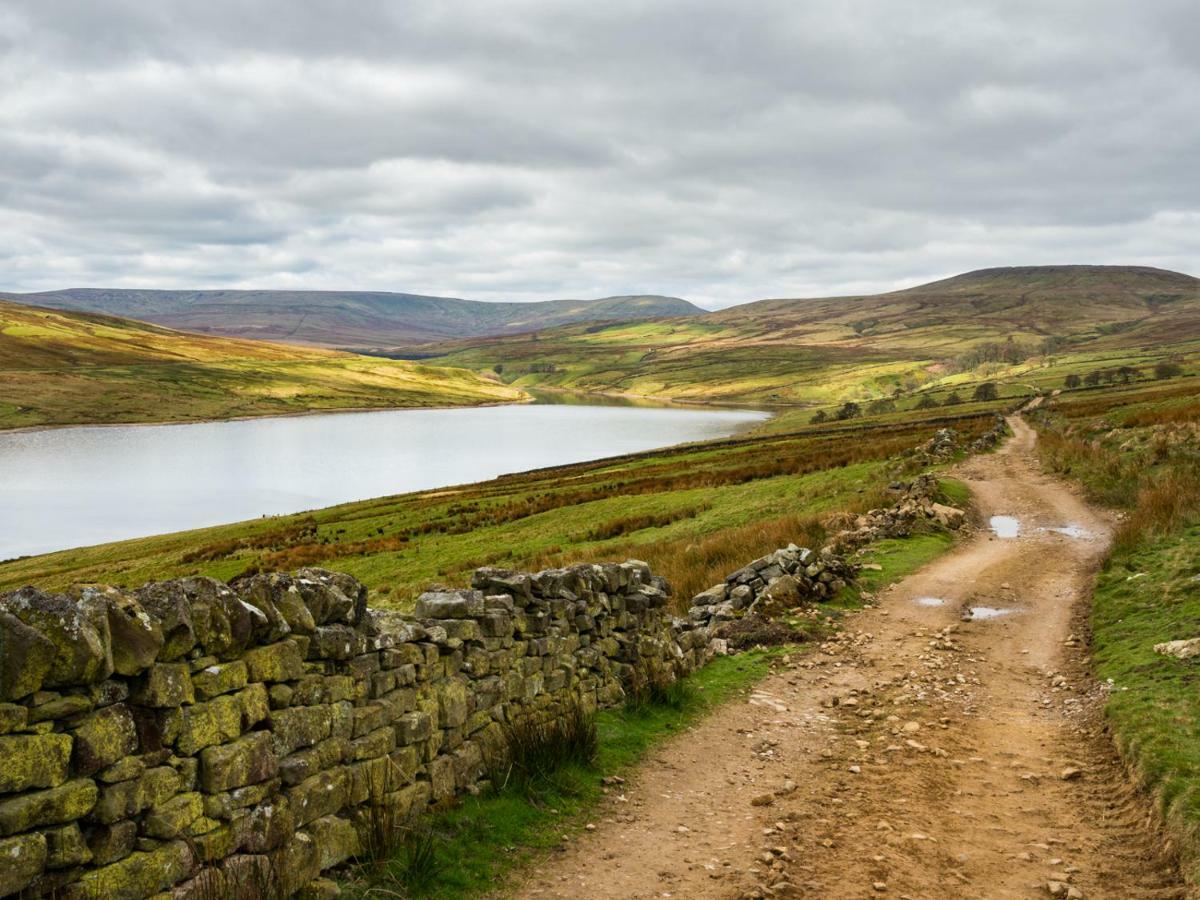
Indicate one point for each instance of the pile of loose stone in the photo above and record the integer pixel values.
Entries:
(794, 576)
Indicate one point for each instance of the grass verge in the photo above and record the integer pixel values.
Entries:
(477, 843)
(1137, 451)
(1144, 597)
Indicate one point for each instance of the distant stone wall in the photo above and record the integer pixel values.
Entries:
(188, 737)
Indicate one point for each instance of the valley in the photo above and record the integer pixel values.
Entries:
(63, 368)
(1025, 328)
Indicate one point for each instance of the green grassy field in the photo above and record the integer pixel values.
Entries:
(1137, 449)
(1027, 329)
(694, 513)
(60, 368)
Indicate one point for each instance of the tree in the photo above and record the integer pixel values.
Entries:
(952, 399)
(986, 391)
(1127, 374)
(498, 368)
(1072, 381)
(849, 410)
(1092, 379)
(927, 402)
(819, 417)
(1167, 370)
(882, 405)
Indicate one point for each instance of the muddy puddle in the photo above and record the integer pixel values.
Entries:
(930, 601)
(980, 613)
(1076, 532)
(1005, 526)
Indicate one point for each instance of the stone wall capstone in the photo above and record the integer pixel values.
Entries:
(186, 737)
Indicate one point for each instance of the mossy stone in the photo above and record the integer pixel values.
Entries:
(128, 798)
(33, 761)
(66, 847)
(109, 843)
(24, 859)
(77, 629)
(164, 686)
(173, 818)
(55, 806)
(103, 738)
(12, 717)
(248, 760)
(221, 678)
(25, 658)
(192, 728)
(139, 875)
(281, 661)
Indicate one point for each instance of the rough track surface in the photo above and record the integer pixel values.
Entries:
(962, 758)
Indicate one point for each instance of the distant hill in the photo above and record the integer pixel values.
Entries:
(861, 347)
(350, 319)
(59, 367)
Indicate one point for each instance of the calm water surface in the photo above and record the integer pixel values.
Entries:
(71, 487)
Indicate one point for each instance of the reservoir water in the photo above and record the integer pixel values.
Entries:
(72, 487)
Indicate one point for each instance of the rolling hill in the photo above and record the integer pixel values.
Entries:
(60, 368)
(349, 319)
(1030, 323)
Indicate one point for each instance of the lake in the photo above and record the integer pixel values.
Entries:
(72, 487)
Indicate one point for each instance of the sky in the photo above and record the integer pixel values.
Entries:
(521, 150)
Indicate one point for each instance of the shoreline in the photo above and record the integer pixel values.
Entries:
(251, 418)
(530, 398)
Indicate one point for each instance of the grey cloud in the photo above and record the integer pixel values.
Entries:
(529, 149)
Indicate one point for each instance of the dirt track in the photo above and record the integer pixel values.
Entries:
(922, 755)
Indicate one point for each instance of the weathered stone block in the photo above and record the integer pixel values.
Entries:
(299, 726)
(449, 605)
(138, 875)
(164, 686)
(298, 766)
(128, 798)
(59, 708)
(173, 818)
(336, 840)
(221, 678)
(76, 629)
(55, 806)
(453, 704)
(266, 826)
(22, 859)
(378, 743)
(248, 760)
(109, 843)
(104, 737)
(65, 847)
(33, 761)
(192, 728)
(413, 727)
(441, 778)
(12, 715)
(321, 795)
(281, 661)
(137, 636)
(253, 704)
(26, 657)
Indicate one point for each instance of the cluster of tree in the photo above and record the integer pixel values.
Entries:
(986, 391)
(1124, 374)
(541, 368)
(1009, 352)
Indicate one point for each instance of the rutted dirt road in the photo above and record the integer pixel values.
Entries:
(920, 755)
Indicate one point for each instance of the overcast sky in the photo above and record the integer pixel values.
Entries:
(720, 151)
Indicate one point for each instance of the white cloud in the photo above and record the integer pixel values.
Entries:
(528, 150)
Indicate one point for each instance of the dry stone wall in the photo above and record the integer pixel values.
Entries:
(194, 736)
